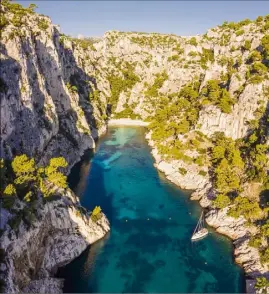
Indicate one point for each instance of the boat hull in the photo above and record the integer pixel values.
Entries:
(199, 235)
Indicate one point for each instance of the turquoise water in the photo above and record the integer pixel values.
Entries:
(148, 249)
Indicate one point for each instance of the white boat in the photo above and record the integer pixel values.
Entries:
(200, 231)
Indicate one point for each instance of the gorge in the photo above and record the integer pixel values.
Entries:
(205, 99)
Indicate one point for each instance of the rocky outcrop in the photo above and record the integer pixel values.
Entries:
(60, 231)
(45, 105)
(234, 124)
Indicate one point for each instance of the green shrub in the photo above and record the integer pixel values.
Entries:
(202, 173)
(173, 58)
(258, 68)
(256, 79)
(96, 214)
(261, 282)
(153, 90)
(206, 55)
(259, 19)
(255, 242)
(42, 24)
(264, 256)
(3, 22)
(221, 201)
(247, 45)
(120, 84)
(182, 170)
(254, 56)
(193, 41)
(217, 96)
(239, 32)
(244, 207)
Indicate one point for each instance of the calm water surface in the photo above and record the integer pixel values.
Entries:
(148, 249)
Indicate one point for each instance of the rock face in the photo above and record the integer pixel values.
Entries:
(60, 87)
(46, 112)
(41, 114)
(233, 125)
(55, 99)
(60, 231)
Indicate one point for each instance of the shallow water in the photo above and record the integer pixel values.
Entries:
(149, 247)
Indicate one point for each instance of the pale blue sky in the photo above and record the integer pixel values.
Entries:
(93, 18)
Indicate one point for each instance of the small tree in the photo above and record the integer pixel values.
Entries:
(96, 214)
(193, 41)
(261, 282)
(24, 169)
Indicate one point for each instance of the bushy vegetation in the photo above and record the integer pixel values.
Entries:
(20, 14)
(236, 26)
(228, 167)
(154, 40)
(235, 163)
(207, 55)
(174, 58)
(231, 161)
(121, 83)
(96, 214)
(42, 24)
(262, 282)
(22, 179)
(215, 93)
(85, 43)
(152, 90)
(126, 113)
(71, 88)
(168, 122)
(193, 41)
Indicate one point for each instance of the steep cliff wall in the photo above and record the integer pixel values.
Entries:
(61, 87)
(45, 105)
(45, 112)
(57, 93)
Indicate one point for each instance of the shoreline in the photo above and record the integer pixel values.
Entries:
(245, 256)
(127, 122)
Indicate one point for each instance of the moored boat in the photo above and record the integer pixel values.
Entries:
(200, 231)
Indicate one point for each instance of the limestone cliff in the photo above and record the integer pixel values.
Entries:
(59, 231)
(44, 114)
(45, 105)
(62, 88)
(57, 93)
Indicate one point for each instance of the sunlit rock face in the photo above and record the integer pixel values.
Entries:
(43, 114)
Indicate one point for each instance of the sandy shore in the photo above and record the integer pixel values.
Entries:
(127, 122)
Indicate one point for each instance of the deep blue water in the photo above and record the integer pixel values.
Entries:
(149, 247)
